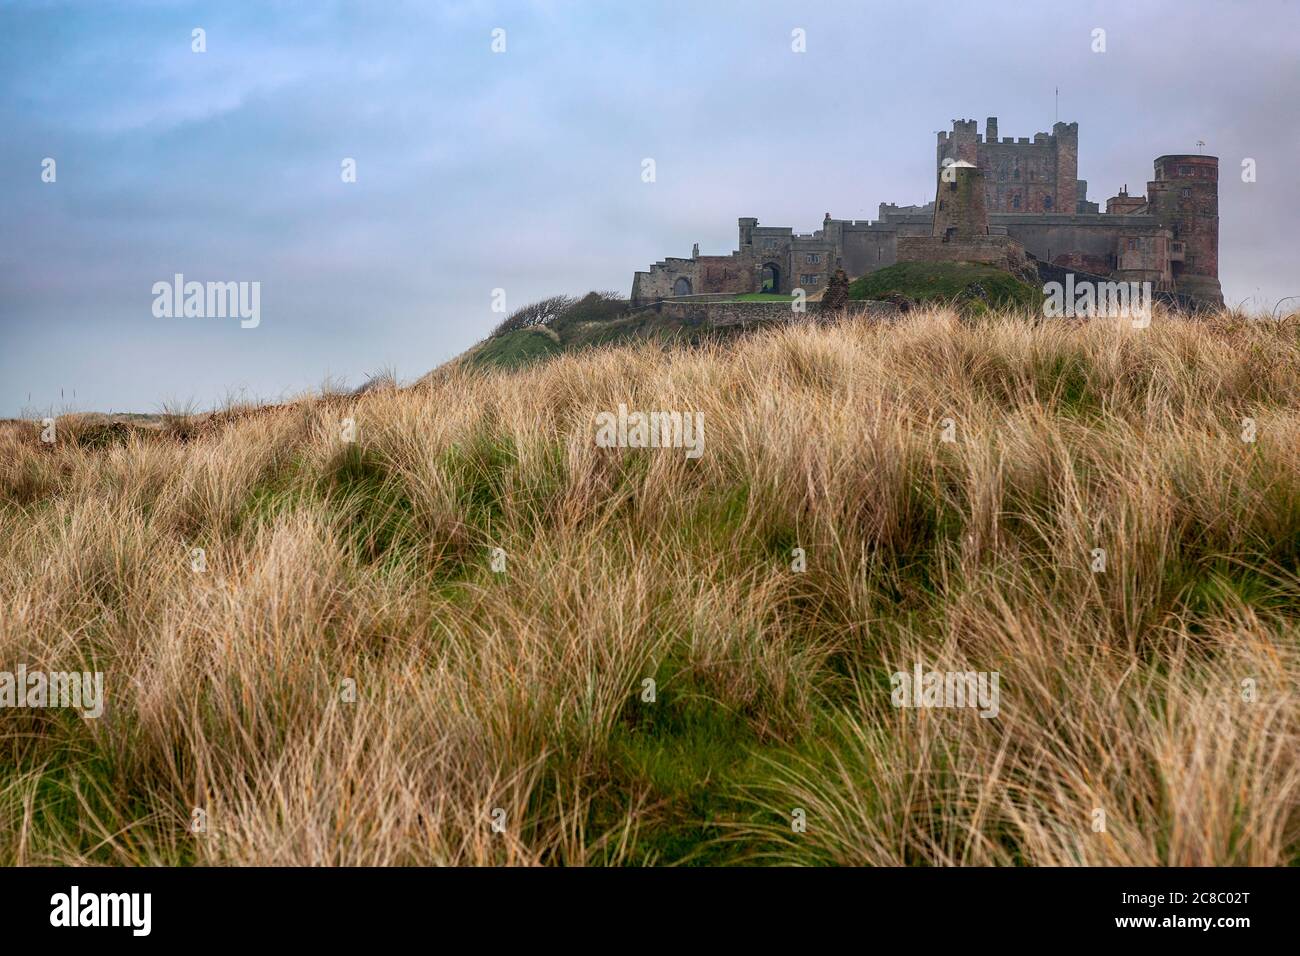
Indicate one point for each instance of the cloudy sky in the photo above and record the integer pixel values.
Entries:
(521, 170)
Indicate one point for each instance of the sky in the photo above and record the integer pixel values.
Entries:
(521, 170)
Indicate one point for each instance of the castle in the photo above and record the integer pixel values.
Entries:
(1032, 202)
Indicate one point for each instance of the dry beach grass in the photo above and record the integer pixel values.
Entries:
(369, 562)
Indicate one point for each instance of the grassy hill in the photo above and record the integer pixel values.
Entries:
(932, 283)
(516, 348)
(575, 324)
(355, 677)
(519, 347)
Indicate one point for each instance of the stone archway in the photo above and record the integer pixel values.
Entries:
(770, 278)
(682, 286)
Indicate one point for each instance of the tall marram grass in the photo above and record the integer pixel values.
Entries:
(332, 565)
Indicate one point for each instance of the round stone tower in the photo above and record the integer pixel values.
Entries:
(960, 210)
(1184, 196)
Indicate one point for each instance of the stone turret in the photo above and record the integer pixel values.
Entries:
(960, 228)
(959, 203)
(1184, 196)
(747, 226)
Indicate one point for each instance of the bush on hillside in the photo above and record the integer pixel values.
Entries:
(592, 307)
(565, 310)
(534, 314)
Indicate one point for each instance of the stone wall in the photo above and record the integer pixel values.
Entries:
(1001, 251)
(731, 274)
(722, 314)
(658, 282)
(1095, 239)
(866, 250)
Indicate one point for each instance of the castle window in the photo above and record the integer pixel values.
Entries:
(1015, 174)
(1132, 245)
(1047, 202)
(814, 257)
(807, 279)
(1015, 201)
(1187, 193)
(769, 243)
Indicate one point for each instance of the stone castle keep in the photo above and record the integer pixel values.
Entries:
(1003, 198)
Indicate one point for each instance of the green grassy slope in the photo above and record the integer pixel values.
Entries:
(926, 282)
(590, 322)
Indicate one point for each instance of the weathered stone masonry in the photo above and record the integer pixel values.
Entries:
(1033, 194)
